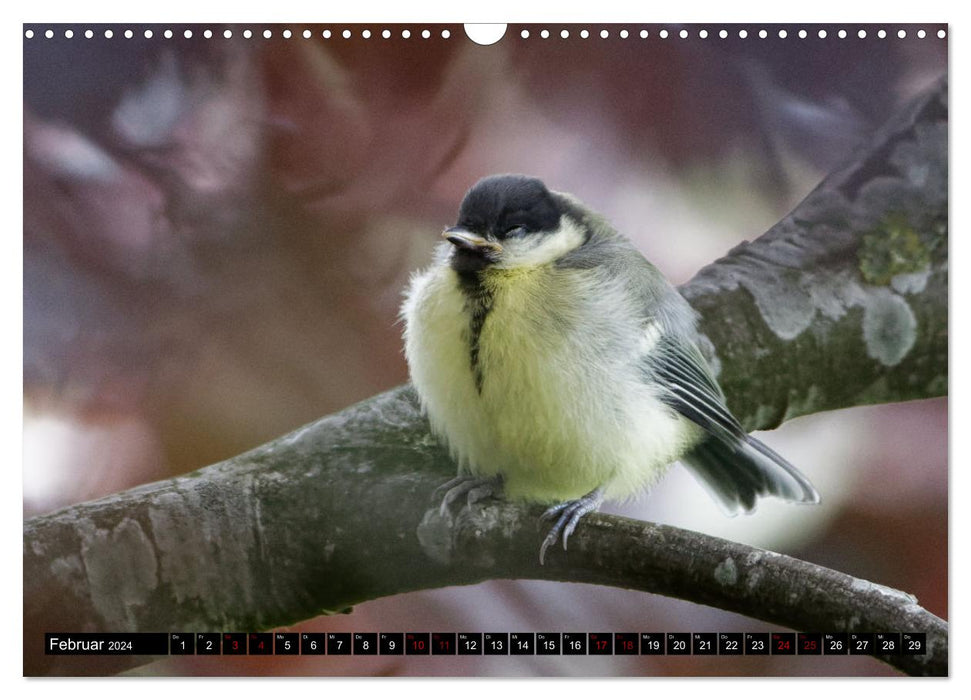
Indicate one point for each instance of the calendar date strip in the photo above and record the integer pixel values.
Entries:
(486, 643)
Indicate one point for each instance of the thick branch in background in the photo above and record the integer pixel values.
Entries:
(853, 284)
(844, 301)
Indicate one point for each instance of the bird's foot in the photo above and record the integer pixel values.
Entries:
(473, 488)
(569, 514)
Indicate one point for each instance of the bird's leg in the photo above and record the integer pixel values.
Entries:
(474, 489)
(570, 513)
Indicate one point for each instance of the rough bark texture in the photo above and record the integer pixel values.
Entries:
(843, 302)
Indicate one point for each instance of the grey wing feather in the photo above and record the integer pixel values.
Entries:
(736, 467)
(691, 390)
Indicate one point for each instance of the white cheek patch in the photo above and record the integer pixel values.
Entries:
(550, 247)
(649, 337)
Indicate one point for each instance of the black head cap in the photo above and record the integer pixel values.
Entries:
(499, 204)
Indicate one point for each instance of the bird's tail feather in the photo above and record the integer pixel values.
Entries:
(737, 475)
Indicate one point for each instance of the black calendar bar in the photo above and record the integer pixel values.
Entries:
(810, 643)
(443, 643)
(496, 643)
(470, 643)
(887, 643)
(365, 643)
(862, 643)
(339, 643)
(757, 644)
(548, 643)
(260, 643)
(182, 643)
(286, 643)
(522, 643)
(600, 644)
(913, 643)
(678, 643)
(575, 643)
(489, 643)
(704, 643)
(837, 643)
(652, 643)
(209, 643)
(110, 644)
(731, 643)
(313, 643)
(625, 643)
(391, 643)
(783, 643)
(419, 643)
(234, 643)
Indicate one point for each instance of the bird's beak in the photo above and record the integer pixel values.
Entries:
(466, 240)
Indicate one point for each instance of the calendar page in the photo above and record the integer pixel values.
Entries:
(383, 349)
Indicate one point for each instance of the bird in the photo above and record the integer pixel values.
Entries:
(560, 367)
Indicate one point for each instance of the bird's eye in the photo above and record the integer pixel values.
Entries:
(515, 232)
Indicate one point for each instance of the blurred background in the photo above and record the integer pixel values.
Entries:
(217, 233)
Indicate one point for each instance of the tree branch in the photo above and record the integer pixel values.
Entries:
(655, 558)
(843, 302)
(337, 513)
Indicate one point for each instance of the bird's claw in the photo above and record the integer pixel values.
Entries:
(569, 513)
(473, 488)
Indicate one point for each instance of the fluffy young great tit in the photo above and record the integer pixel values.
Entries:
(560, 367)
